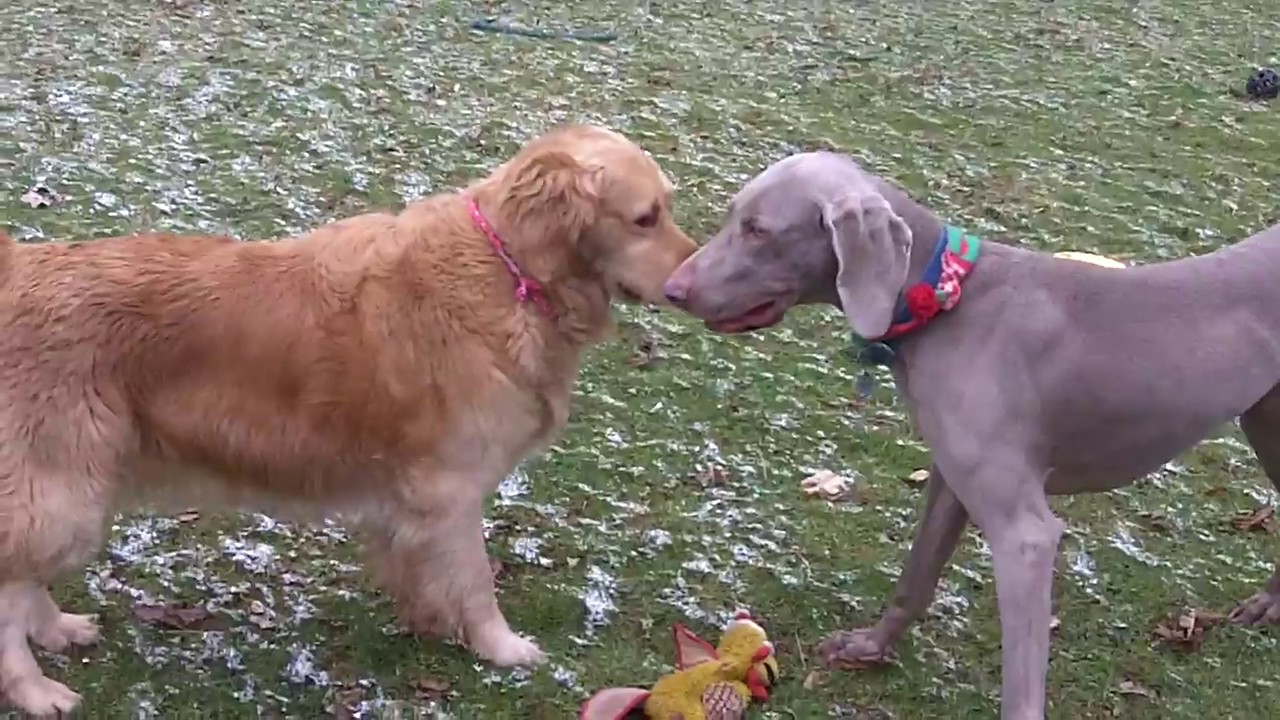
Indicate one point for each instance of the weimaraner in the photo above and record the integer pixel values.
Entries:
(1027, 375)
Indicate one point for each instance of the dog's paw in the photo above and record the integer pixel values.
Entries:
(41, 697)
(854, 649)
(67, 630)
(1261, 609)
(513, 651)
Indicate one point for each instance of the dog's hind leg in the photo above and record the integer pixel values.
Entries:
(21, 681)
(430, 556)
(51, 521)
(1261, 425)
(39, 542)
(937, 535)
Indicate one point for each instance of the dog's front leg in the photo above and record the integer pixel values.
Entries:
(937, 534)
(1261, 425)
(1007, 502)
(432, 559)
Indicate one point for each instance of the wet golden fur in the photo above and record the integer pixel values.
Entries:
(378, 368)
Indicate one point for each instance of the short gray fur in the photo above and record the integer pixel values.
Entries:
(1051, 376)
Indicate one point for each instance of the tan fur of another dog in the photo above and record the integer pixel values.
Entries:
(378, 369)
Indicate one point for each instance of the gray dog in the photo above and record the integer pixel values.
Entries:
(1047, 377)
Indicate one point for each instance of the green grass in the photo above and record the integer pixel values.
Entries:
(1105, 125)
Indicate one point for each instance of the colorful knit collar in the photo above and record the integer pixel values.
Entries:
(939, 289)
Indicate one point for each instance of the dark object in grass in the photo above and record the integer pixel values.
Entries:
(867, 354)
(498, 25)
(1263, 84)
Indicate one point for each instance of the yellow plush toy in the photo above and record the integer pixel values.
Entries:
(710, 683)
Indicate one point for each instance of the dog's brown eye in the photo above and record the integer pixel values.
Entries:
(650, 218)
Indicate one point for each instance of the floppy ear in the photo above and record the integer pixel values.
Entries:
(553, 190)
(872, 246)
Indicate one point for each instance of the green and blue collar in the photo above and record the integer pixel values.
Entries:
(938, 290)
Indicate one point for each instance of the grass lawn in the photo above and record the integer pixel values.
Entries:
(1103, 125)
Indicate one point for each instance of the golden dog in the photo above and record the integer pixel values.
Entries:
(386, 369)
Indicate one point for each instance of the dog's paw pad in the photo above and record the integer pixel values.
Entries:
(42, 697)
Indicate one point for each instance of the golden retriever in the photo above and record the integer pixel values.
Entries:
(384, 369)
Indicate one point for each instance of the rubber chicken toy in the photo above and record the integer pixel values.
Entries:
(710, 683)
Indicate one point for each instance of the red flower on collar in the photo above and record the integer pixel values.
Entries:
(922, 301)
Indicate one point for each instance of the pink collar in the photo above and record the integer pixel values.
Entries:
(527, 289)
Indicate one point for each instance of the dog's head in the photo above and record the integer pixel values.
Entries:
(586, 201)
(812, 227)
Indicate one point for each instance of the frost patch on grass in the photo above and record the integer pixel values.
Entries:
(1122, 539)
(599, 598)
(657, 538)
(950, 606)
(565, 678)
(1085, 569)
(258, 558)
(681, 597)
(513, 487)
(302, 668)
(144, 567)
(528, 549)
(141, 698)
(133, 543)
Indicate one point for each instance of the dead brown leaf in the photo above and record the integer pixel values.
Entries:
(1152, 521)
(180, 617)
(1215, 490)
(346, 701)
(432, 688)
(1261, 520)
(714, 475)
(919, 477)
(1186, 631)
(646, 353)
(259, 616)
(815, 679)
(828, 485)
